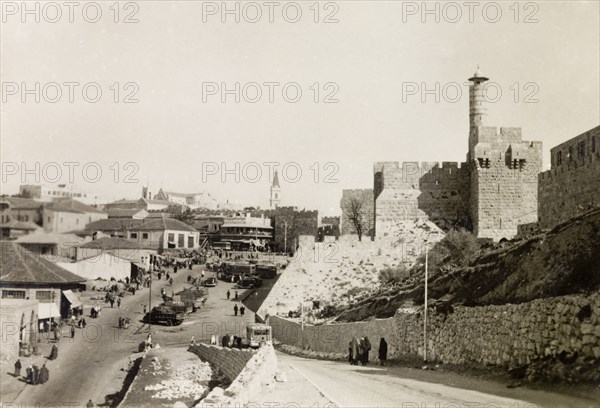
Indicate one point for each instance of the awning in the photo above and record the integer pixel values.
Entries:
(72, 298)
(47, 311)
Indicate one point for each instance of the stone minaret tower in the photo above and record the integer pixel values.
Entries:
(477, 108)
(275, 192)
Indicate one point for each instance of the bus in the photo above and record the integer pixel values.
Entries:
(221, 245)
(258, 334)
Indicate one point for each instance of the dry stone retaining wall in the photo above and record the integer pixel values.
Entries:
(230, 361)
(505, 335)
(257, 372)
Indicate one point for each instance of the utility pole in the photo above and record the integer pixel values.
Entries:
(285, 238)
(150, 300)
(425, 311)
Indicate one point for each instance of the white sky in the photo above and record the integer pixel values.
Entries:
(369, 53)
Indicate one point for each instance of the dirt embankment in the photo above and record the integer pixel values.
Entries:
(559, 262)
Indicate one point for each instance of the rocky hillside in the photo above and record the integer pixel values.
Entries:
(338, 273)
(562, 261)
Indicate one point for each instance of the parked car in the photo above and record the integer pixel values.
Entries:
(229, 277)
(210, 282)
(256, 281)
(246, 284)
(164, 314)
(266, 271)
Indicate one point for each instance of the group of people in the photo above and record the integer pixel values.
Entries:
(231, 341)
(95, 312)
(123, 322)
(358, 351)
(241, 309)
(229, 295)
(33, 374)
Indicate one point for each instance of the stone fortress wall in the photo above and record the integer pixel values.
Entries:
(503, 181)
(572, 185)
(505, 335)
(412, 191)
(496, 190)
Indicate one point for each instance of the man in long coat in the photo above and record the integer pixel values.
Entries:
(355, 351)
(53, 352)
(36, 374)
(44, 374)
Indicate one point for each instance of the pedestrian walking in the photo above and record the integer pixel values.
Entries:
(119, 303)
(72, 331)
(236, 295)
(167, 276)
(242, 310)
(55, 332)
(112, 302)
(366, 347)
(83, 323)
(44, 374)
(193, 342)
(29, 372)
(213, 340)
(144, 309)
(36, 374)
(18, 368)
(228, 294)
(383, 350)
(235, 310)
(171, 281)
(53, 353)
(354, 351)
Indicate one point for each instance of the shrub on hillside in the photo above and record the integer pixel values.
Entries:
(393, 275)
(462, 246)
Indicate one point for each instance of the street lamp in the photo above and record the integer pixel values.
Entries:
(285, 238)
(425, 310)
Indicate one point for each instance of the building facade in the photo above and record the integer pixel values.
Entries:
(60, 191)
(69, 215)
(572, 185)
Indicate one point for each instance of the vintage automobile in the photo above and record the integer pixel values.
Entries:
(266, 271)
(258, 334)
(164, 315)
(246, 283)
(210, 282)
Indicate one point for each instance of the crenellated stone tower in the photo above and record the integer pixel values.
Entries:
(492, 193)
(503, 172)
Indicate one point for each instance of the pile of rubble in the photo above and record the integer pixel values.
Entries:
(190, 380)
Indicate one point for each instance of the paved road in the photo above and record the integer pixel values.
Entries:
(87, 367)
(374, 386)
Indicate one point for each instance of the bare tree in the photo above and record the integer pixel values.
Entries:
(355, 215)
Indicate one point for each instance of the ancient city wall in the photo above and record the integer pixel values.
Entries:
(505, 335)
(411, 191)
(504, 183)
(572, 185)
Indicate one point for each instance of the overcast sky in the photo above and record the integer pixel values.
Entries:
(375, 50)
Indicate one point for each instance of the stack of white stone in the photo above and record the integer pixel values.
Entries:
(190, 381)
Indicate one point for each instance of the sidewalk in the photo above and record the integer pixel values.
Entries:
(296, 390)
